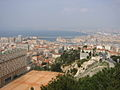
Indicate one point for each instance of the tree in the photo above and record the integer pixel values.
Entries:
(66, 58)
(94, 51)
(90, 54)
(115, 58)
(85, 46)
(108, 79)
(56, 67)
(32, 88)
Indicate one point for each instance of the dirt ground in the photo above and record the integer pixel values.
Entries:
(32, 79)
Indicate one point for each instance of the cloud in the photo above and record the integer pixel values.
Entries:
(71, 10)
(83, 9)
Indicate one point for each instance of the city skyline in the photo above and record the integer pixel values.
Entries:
(69, 15)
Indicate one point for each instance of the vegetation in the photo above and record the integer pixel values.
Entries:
(94, 51)
(104, 64)
(65, 59)
(73, 71)
(85, 46)
(56, 67)
(80, 62)
(39, 68)
(115, 58)
(31, 88)
(108, 79)
(70, 56)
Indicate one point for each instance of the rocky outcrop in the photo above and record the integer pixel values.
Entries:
(89, 67)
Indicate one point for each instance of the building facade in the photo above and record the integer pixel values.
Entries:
(12, 64)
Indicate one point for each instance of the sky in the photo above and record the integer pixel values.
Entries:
(59, 14)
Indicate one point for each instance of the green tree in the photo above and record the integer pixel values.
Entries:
(31, 88)
(108, 79)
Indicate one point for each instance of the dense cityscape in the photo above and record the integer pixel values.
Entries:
(93, 53)
(59, 44)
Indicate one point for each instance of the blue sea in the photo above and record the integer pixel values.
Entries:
(49, 35)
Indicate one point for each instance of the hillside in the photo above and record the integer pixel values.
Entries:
(107, 79)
